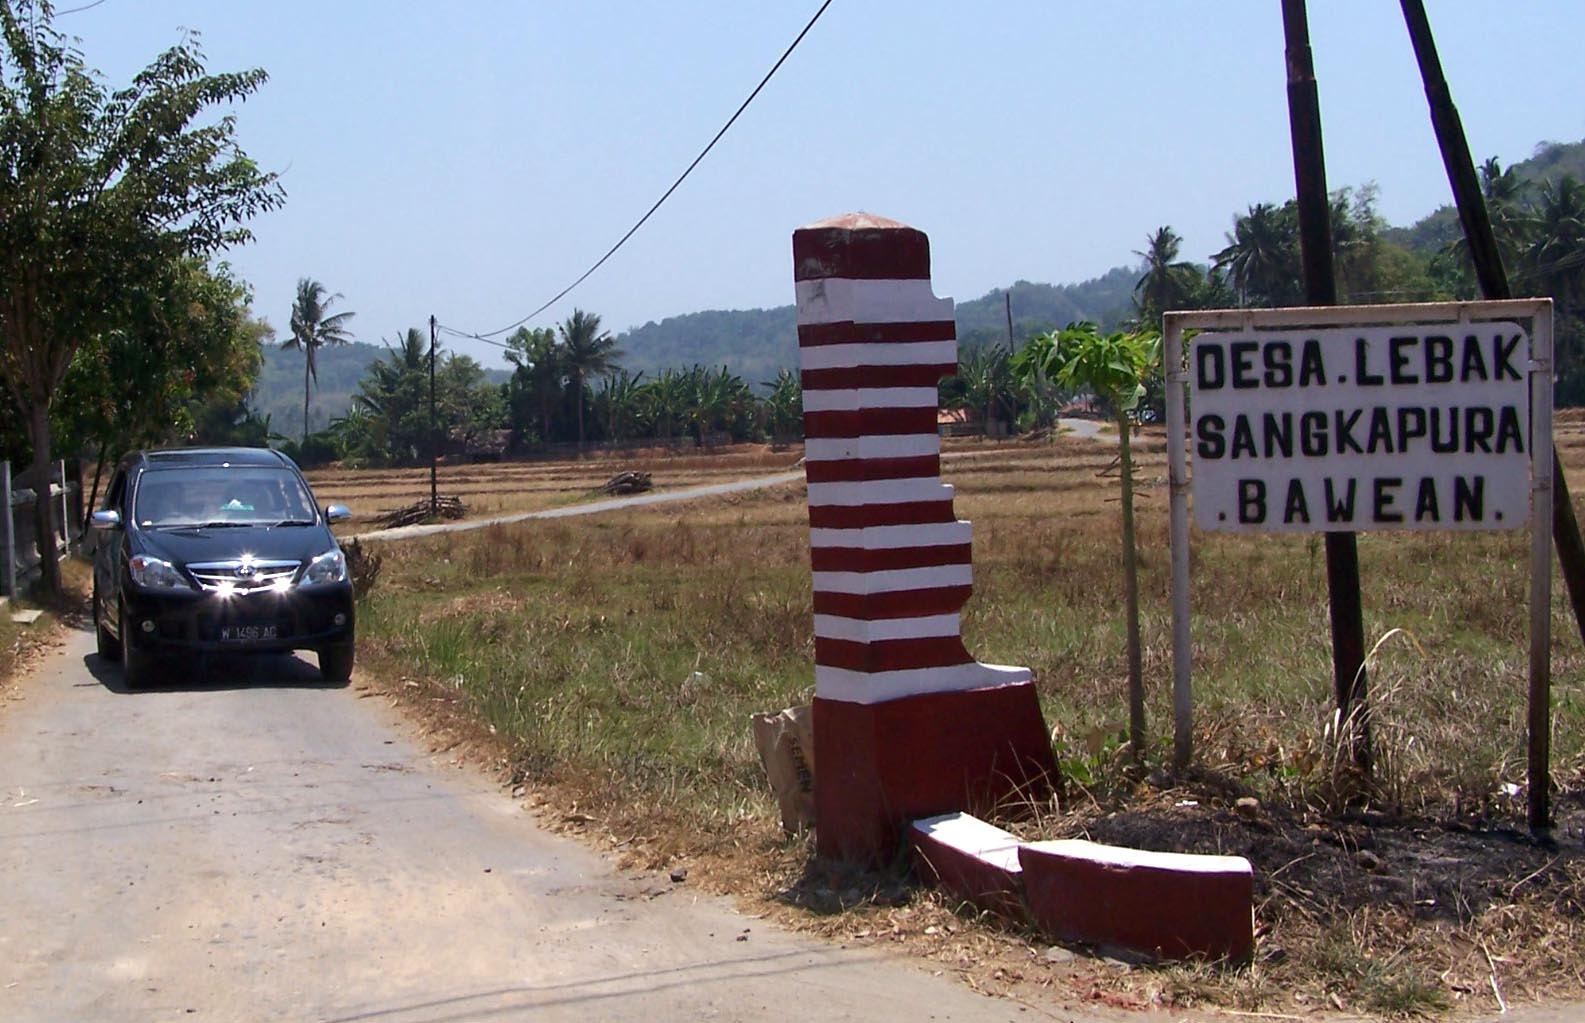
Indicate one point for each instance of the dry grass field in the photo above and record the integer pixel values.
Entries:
(488, 490)
(610, 664)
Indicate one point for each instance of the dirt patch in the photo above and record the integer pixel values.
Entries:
(24, 647)
(1390, 915)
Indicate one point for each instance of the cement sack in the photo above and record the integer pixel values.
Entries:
(787, 749)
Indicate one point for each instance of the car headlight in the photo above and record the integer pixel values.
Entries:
(154, 574)
(329, 567)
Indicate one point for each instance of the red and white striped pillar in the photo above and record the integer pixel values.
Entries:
(907, 723)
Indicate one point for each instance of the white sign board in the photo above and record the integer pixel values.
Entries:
(1361, 428)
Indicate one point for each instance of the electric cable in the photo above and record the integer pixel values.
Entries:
(487, 335)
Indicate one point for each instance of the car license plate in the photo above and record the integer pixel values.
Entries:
(248, 633)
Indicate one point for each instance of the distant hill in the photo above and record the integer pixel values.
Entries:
(1549, 162)
(756, 343)
(279, 390)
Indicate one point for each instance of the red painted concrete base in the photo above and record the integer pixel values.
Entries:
(885, 764)
(1172, 905)
(975, 861)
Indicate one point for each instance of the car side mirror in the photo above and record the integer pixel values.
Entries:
(109, 518)
(337, 513)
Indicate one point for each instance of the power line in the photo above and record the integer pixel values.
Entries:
(75, 10)
(474, 337)
(674, 185)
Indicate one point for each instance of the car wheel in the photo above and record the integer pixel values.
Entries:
(335, 662)
(109, 646)
(136, 664)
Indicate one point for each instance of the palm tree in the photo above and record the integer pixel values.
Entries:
(1554, 261)
(1168, 283)
(586, 351)
(1262, 256)
(311, 328)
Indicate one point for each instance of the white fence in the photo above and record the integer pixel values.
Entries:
(20, 551)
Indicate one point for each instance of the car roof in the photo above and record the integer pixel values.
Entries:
(171, 458)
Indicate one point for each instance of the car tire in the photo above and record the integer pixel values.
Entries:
(109, 646)
(136, 665)
(335, 662)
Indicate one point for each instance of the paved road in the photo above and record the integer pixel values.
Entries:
(258, 846)
(592, 508)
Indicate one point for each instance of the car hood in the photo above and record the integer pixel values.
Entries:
(264, 543)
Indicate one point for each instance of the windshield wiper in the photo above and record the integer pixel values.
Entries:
(293, 522)
(224, 524)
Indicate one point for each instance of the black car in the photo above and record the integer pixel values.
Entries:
(204, 550)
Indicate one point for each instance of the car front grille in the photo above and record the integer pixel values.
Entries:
(243, 577)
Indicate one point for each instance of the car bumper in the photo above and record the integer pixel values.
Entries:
(304, 617)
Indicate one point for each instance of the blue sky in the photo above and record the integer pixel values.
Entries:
(470, 160)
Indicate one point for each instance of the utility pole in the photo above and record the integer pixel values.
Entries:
(1493, 278)
(434, 436)
(1320, 287)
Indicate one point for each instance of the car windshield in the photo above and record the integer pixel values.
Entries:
(221, 495)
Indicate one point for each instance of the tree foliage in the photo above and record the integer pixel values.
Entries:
(389, 422)
(100, 192)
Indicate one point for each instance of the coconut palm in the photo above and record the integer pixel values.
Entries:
(1262, 256)
(313, 325)
(1168, 282)
(1554, 261)
(586, 352)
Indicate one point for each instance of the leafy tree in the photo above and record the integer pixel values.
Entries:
(586, 351)
(187, 352)
(1115, 367)
(389, 421)
(99, 192)
(539, 380)
(468, 405)
(314, 326)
